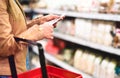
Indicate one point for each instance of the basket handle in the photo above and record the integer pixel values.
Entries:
(12, 66)
(41, 59)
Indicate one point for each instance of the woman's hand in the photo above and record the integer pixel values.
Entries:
(46, 30)
(38, 32)
(42, 19)
(42, 30)
(46, 18)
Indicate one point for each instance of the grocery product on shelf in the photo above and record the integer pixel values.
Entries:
(117, 70)
(111, 69)
(90, 64)
(77, 57)
(116, 40)
(83, 28)
(90, 30)
(67, 55)
(97, 62)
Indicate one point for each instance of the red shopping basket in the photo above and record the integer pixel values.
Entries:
(45, 71)
(53, 72)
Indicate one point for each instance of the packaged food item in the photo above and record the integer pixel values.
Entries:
(81, 7)
(90, 64)
(72, 29)
(103, 68)
(80, 27)
(84, 60)
(110, 6)
(94, 31)
(97, 63)
(61, 27)
(67, 55)
(69, 27)
(116, 7)
(117, 70)
(87, 29)
(92, 5)
(108, 38)
(111, 69)
(77, 58)
(106, 6)
(116, 39)
(101, 29)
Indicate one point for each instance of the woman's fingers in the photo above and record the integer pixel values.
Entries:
(47, 30)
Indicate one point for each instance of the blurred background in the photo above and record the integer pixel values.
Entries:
(87, 41)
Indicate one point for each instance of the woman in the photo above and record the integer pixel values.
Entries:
(13, 24)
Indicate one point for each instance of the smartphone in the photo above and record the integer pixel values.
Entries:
(56, 20)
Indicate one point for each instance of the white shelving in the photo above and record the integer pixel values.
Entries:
(98, 16)
(107, 17)
(77, 40)
(62, 64)
(65, 65)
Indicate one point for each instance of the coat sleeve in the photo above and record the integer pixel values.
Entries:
(8, 45)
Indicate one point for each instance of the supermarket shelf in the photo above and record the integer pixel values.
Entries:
(62, 64)
(76, 40)
(65, 65)
(97, 16)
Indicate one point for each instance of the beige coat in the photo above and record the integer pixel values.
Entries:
(12, 23)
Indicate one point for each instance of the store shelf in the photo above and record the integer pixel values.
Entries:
(65, 65)
(60, 63)
(96, 16)
(77, 40)
(73, 39)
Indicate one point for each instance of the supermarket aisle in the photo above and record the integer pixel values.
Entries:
(87, 40)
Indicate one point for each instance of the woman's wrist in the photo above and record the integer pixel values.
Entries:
(34, 33)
